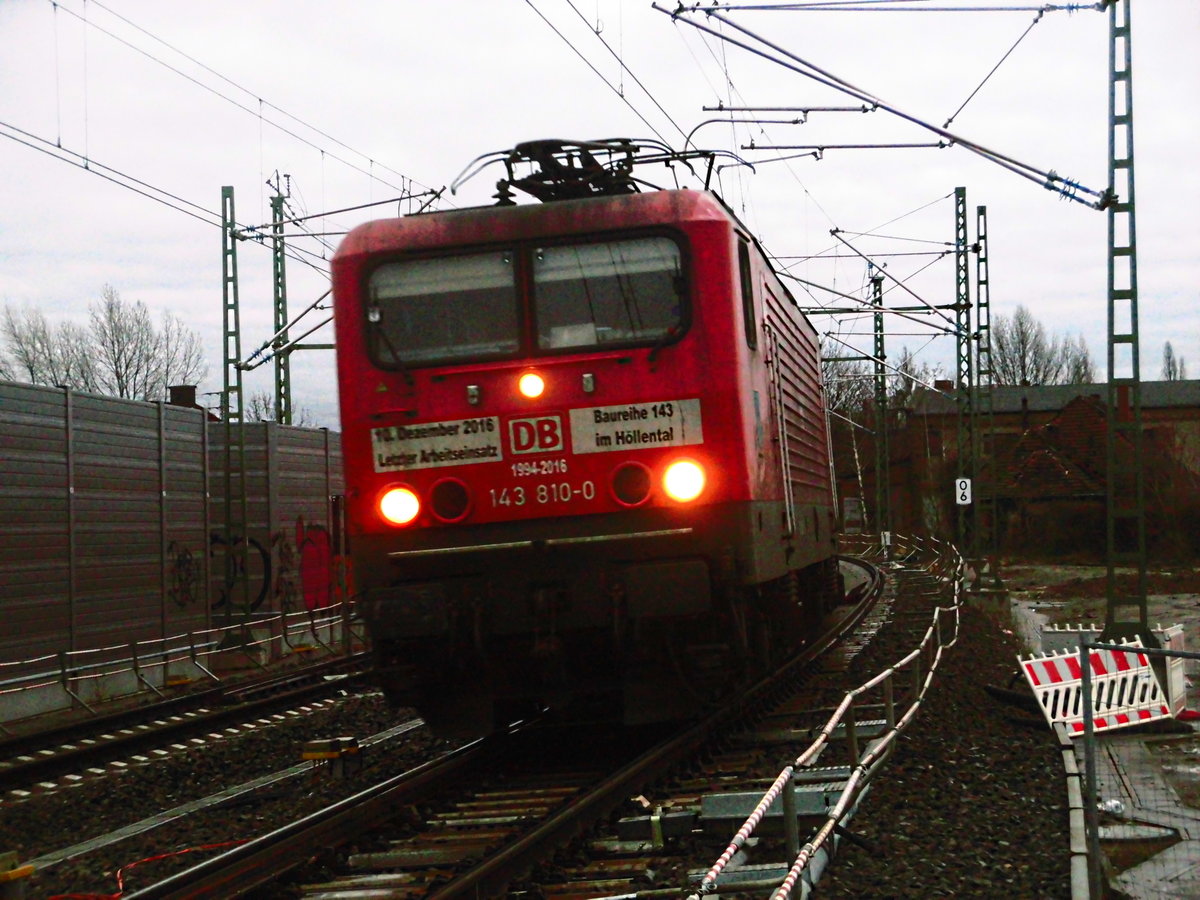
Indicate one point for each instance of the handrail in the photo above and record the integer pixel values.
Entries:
(946, 560)
(69, 669)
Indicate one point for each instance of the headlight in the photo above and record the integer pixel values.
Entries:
(531, 385)
(399, 505)
(684, 480)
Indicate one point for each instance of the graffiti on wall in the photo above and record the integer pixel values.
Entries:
(305, 579)
(297, 569)
(183, 575)
(247, 573)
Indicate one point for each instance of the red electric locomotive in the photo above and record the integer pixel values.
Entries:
(585, 448)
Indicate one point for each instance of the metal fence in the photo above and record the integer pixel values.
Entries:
(1158, 819)
(88, 679)
(113, 532)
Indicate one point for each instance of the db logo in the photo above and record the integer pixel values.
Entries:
(540, 435)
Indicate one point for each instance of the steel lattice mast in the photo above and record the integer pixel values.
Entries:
(987, 540)
(1125, 482)
(236, 518)
(964, 368)
(883, 513)
(283, 365)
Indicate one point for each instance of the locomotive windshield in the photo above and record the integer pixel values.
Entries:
(444, 309)
(450, 309)
(616, 292)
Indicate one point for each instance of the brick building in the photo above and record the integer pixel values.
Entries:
(1046, 463)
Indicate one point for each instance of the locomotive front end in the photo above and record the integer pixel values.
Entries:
(543, 444)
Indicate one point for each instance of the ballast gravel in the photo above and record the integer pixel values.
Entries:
(54, 821)
(973, 803)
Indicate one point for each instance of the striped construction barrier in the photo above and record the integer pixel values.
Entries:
(1125, 690)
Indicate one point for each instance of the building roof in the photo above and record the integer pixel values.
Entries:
(1053, 397)
(1066, 456)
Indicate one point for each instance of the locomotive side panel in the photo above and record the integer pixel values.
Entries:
(801, 410)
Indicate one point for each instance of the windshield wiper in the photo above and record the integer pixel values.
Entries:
(666, 338)
(381, 334)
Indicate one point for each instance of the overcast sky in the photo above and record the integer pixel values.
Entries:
(362, 101)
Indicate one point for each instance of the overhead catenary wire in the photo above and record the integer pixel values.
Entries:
(130, 183)
(868, 357)
(56, 150)
(809, 256)
(894, 237)
(257, 113)
(866, 309)
(883, 271)
(913, 275)
(819, 149)
(874, 231)
(1048, 179)
(626, 69)
(892, 6)
(987, 77)
(837, 415)
(688, 138)
(732, 89)
(867, 303)
(344, 209)
(268, 351)
(598, 73)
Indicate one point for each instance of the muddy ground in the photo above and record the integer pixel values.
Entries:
(1075, 594)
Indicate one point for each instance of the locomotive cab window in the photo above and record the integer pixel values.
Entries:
(746, 277)
(442, 310)
(616, 292)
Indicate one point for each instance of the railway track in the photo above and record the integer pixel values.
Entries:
(497, 810)
(490, 820)
(33, 762)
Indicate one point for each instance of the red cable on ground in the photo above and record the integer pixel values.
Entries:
(121, 871)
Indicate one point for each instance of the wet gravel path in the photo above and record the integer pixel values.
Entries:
(973, 803)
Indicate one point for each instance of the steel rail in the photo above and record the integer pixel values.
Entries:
(262, 860)
(493, 873)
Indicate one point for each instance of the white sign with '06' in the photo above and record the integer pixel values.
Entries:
(962, 491)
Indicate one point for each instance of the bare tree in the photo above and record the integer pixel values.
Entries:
(181, 354)
(260, 407)
(1078, 367)
(850, 384)
(41, 354)
(1023, 353)
(121, 354)
(1173, 367)
(913, 374)
(125, 346)
(847, 382)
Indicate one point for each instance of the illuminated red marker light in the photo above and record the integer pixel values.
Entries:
(531, 385)
(684, 480)
(399, 505)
